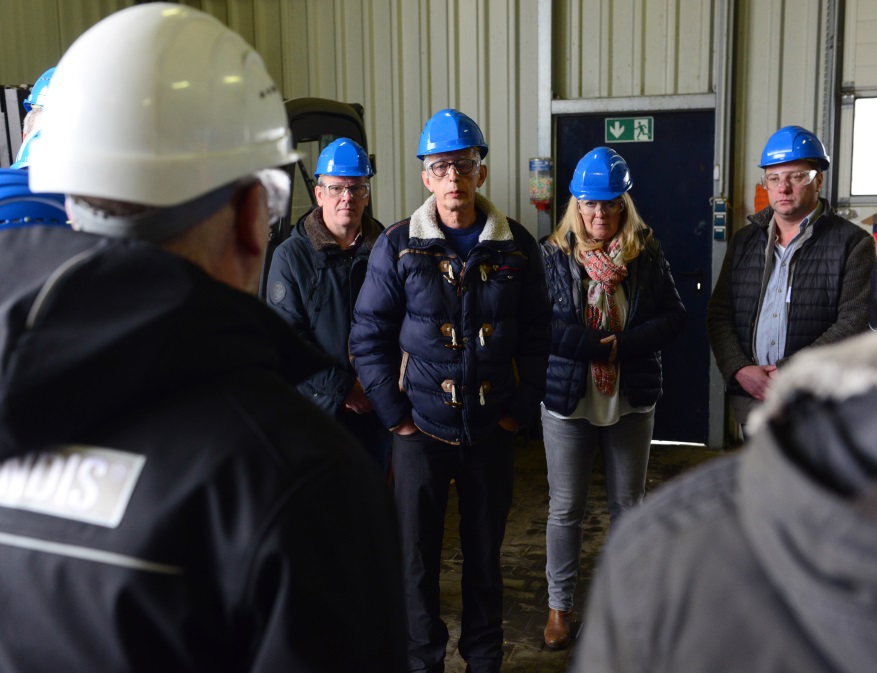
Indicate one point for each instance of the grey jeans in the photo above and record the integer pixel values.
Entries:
(570, 447)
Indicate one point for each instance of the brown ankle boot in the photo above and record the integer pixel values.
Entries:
(557, 629)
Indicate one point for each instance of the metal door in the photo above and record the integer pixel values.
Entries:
(672, 186)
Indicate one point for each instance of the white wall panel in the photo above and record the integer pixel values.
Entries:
(35, 33)
(403, 60)
(618, 48)
(864, 72)
(779, 73)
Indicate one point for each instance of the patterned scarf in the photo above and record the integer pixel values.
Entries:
(606, 271)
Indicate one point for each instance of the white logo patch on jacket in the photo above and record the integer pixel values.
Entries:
(83, 483)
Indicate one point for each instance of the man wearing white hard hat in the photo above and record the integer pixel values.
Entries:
(168, 502)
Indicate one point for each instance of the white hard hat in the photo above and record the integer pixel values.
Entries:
(158, 104)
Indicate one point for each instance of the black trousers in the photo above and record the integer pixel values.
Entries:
(483, 476)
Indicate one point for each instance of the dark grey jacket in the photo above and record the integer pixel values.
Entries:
(313, 285)
(764, 561)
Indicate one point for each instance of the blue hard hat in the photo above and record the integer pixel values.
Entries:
(20, 207)
(601, 175)
(793, 143)
(40, 92)
(450, 130)
(22, 159)
(344, 157)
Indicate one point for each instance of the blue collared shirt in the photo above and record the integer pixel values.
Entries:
(773, 317)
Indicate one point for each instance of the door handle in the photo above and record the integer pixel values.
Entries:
(697, 276)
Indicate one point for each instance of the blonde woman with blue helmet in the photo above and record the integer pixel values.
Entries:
(615, 306)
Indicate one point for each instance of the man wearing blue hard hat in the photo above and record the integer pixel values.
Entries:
(450, 339)
(796, 276)
(315, 277)
(33, 105)
(168, 500)
(19, 207)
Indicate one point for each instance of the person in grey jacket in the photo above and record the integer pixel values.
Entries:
(315, 278)
(762, 561)
(797, 276)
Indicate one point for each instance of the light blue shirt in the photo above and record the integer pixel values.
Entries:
(773, 317)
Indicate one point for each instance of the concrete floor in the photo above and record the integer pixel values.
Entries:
(523, 555)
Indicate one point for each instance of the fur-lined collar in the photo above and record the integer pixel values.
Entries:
(424, 221)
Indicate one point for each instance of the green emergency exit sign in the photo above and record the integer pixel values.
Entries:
(630, 129)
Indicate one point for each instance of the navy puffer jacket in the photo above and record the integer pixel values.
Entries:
(456, 343)
(655, 317)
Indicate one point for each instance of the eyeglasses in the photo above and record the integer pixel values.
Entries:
(609, 207)
(794, 178)
(462, 166)
(359, 191)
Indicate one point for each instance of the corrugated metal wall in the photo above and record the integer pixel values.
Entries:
(863, 65)
(780, 81)
(614, 48)
(405, 59)
(35, 33)
(401, 59)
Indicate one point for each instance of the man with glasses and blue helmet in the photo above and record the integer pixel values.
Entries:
(315, 277)
(168, 501)
(450, 340)
(796, 276)
(33, 105)
(19, 207)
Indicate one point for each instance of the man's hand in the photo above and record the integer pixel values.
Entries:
(406, 427)
(755, 379)
(356, 400)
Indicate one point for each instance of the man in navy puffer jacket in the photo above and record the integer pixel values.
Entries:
(450, 340)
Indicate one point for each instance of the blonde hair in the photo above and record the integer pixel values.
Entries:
(632, 231)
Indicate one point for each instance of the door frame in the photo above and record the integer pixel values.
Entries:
(719, 102)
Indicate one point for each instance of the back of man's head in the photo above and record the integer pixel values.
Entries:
(188, 117)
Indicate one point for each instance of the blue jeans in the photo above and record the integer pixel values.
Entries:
(570, 447)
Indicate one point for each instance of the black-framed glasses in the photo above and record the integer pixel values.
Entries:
(608, 207)
(462, 166)
(358, 191)
(794, 178)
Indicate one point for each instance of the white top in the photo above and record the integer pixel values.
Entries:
(595, 407)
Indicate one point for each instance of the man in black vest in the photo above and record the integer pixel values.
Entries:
(797, 276)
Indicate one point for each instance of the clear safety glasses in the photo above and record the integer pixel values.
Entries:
(335, 191)
(794, 178)
(608, 207)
